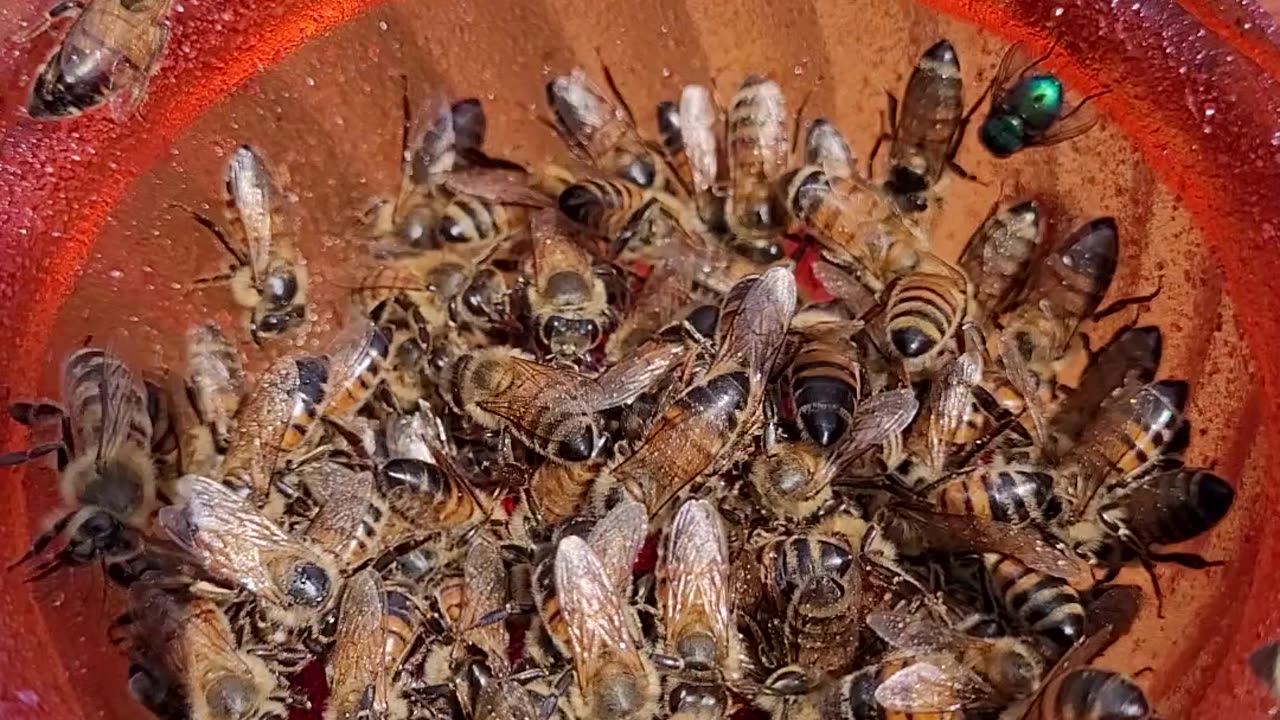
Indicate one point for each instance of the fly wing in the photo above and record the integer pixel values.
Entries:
(251, 189)
(616, 541)
(695, 571)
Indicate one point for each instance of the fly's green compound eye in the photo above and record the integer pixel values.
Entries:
(1039, 102)
(1002, 135)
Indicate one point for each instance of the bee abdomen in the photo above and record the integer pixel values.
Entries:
(924, 309)
(1048, 606)
(826, 384)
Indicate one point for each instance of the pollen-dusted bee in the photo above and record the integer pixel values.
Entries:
(758, 148)
(1029, 107)
(600, 133)
(615, 678)
(695, 597)
(185, 655)
(215, 380)
(553, 410)
(107, 478)
(269, 276)
(999, 254)
(795, 479)
(107, 55)
(927, 128)
(274, 419)
(953, 671)
(567, 299)
(708, 419)
(293, 582)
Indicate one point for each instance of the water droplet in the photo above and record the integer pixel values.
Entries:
(311, 81)
(1275, 138)
(382, 25)
(1057, 12)
(115, 274)
(666, 72)
(27, 697)
(1209, 110)
(175, 285)
(798, 70)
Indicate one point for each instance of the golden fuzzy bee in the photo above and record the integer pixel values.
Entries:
(600, 133)
(615, 680)
(758, 149)
(269, 275)
(708, 419)
(922, 313)
(567, 299)
(185, 656)
(293, 582)
(107, 55)
(553, 410)
(275, 418)
(107, 477)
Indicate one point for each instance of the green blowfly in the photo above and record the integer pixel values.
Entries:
(1029, 107)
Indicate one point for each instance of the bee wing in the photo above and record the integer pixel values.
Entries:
(1026, 383)
(846, 288)
(634, 374)
(768, 134)
(698, 128)
(345, 504)
(616, 541)
(754, 330)
(555, 249)
(949, 400)
(668, 288)
(918, 634)
(965, 533)
(173, 629)
(502, 699)
(826, 147)
(509, 187)
(486, 590)
(251, 188)
(580, 110)
(935, 685)
(123, 410)
(534, 387)
(357, 659)
(594, 612)
(227, 535)
(696, 571)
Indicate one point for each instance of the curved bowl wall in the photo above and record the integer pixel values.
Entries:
(1188, 160)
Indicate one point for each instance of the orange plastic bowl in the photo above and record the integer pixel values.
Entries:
(1188, 161)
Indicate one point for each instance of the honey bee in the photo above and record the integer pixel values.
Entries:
(107, 478)
(1066, 288)
(668, 288)
(615, 678)
(789, 694)
(1163, 508)
(557, 492)
(1263, 663)
(485, 595)
(946, 406)
(826, 384)
(1130, 358)
(275, 418)
(293, 582)
(758, 149)
(694, 595)
(795, 480)
(377, 627)
(609, 207)
(812, 587)
(953, 670)
(358, 360)
(999, 254)
(184, 646)
(553, 410)
(600, 133)
(269, 276)
(1001, 490)
(922, 313)
(826, 147)
(688, 132)
(107, 55)
(928, 128)
(1128, 434)
(215, 380)
(1045, 605)
(707, 420)
(567, 299)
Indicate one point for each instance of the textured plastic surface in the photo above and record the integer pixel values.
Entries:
(1188, 161)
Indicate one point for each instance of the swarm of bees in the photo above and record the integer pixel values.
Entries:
(584, 450)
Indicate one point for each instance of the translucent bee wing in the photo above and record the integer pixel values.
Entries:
(933, 686)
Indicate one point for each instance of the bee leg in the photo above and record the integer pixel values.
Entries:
(547, 707)
(886, 130)
(218, 233)
(1123, 303)
(126, 102)
(1188, 560)
(57, 12)
(19, 457)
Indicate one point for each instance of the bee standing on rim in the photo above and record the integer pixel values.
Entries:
(107, 55)
(107, 477)
(269, 275)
